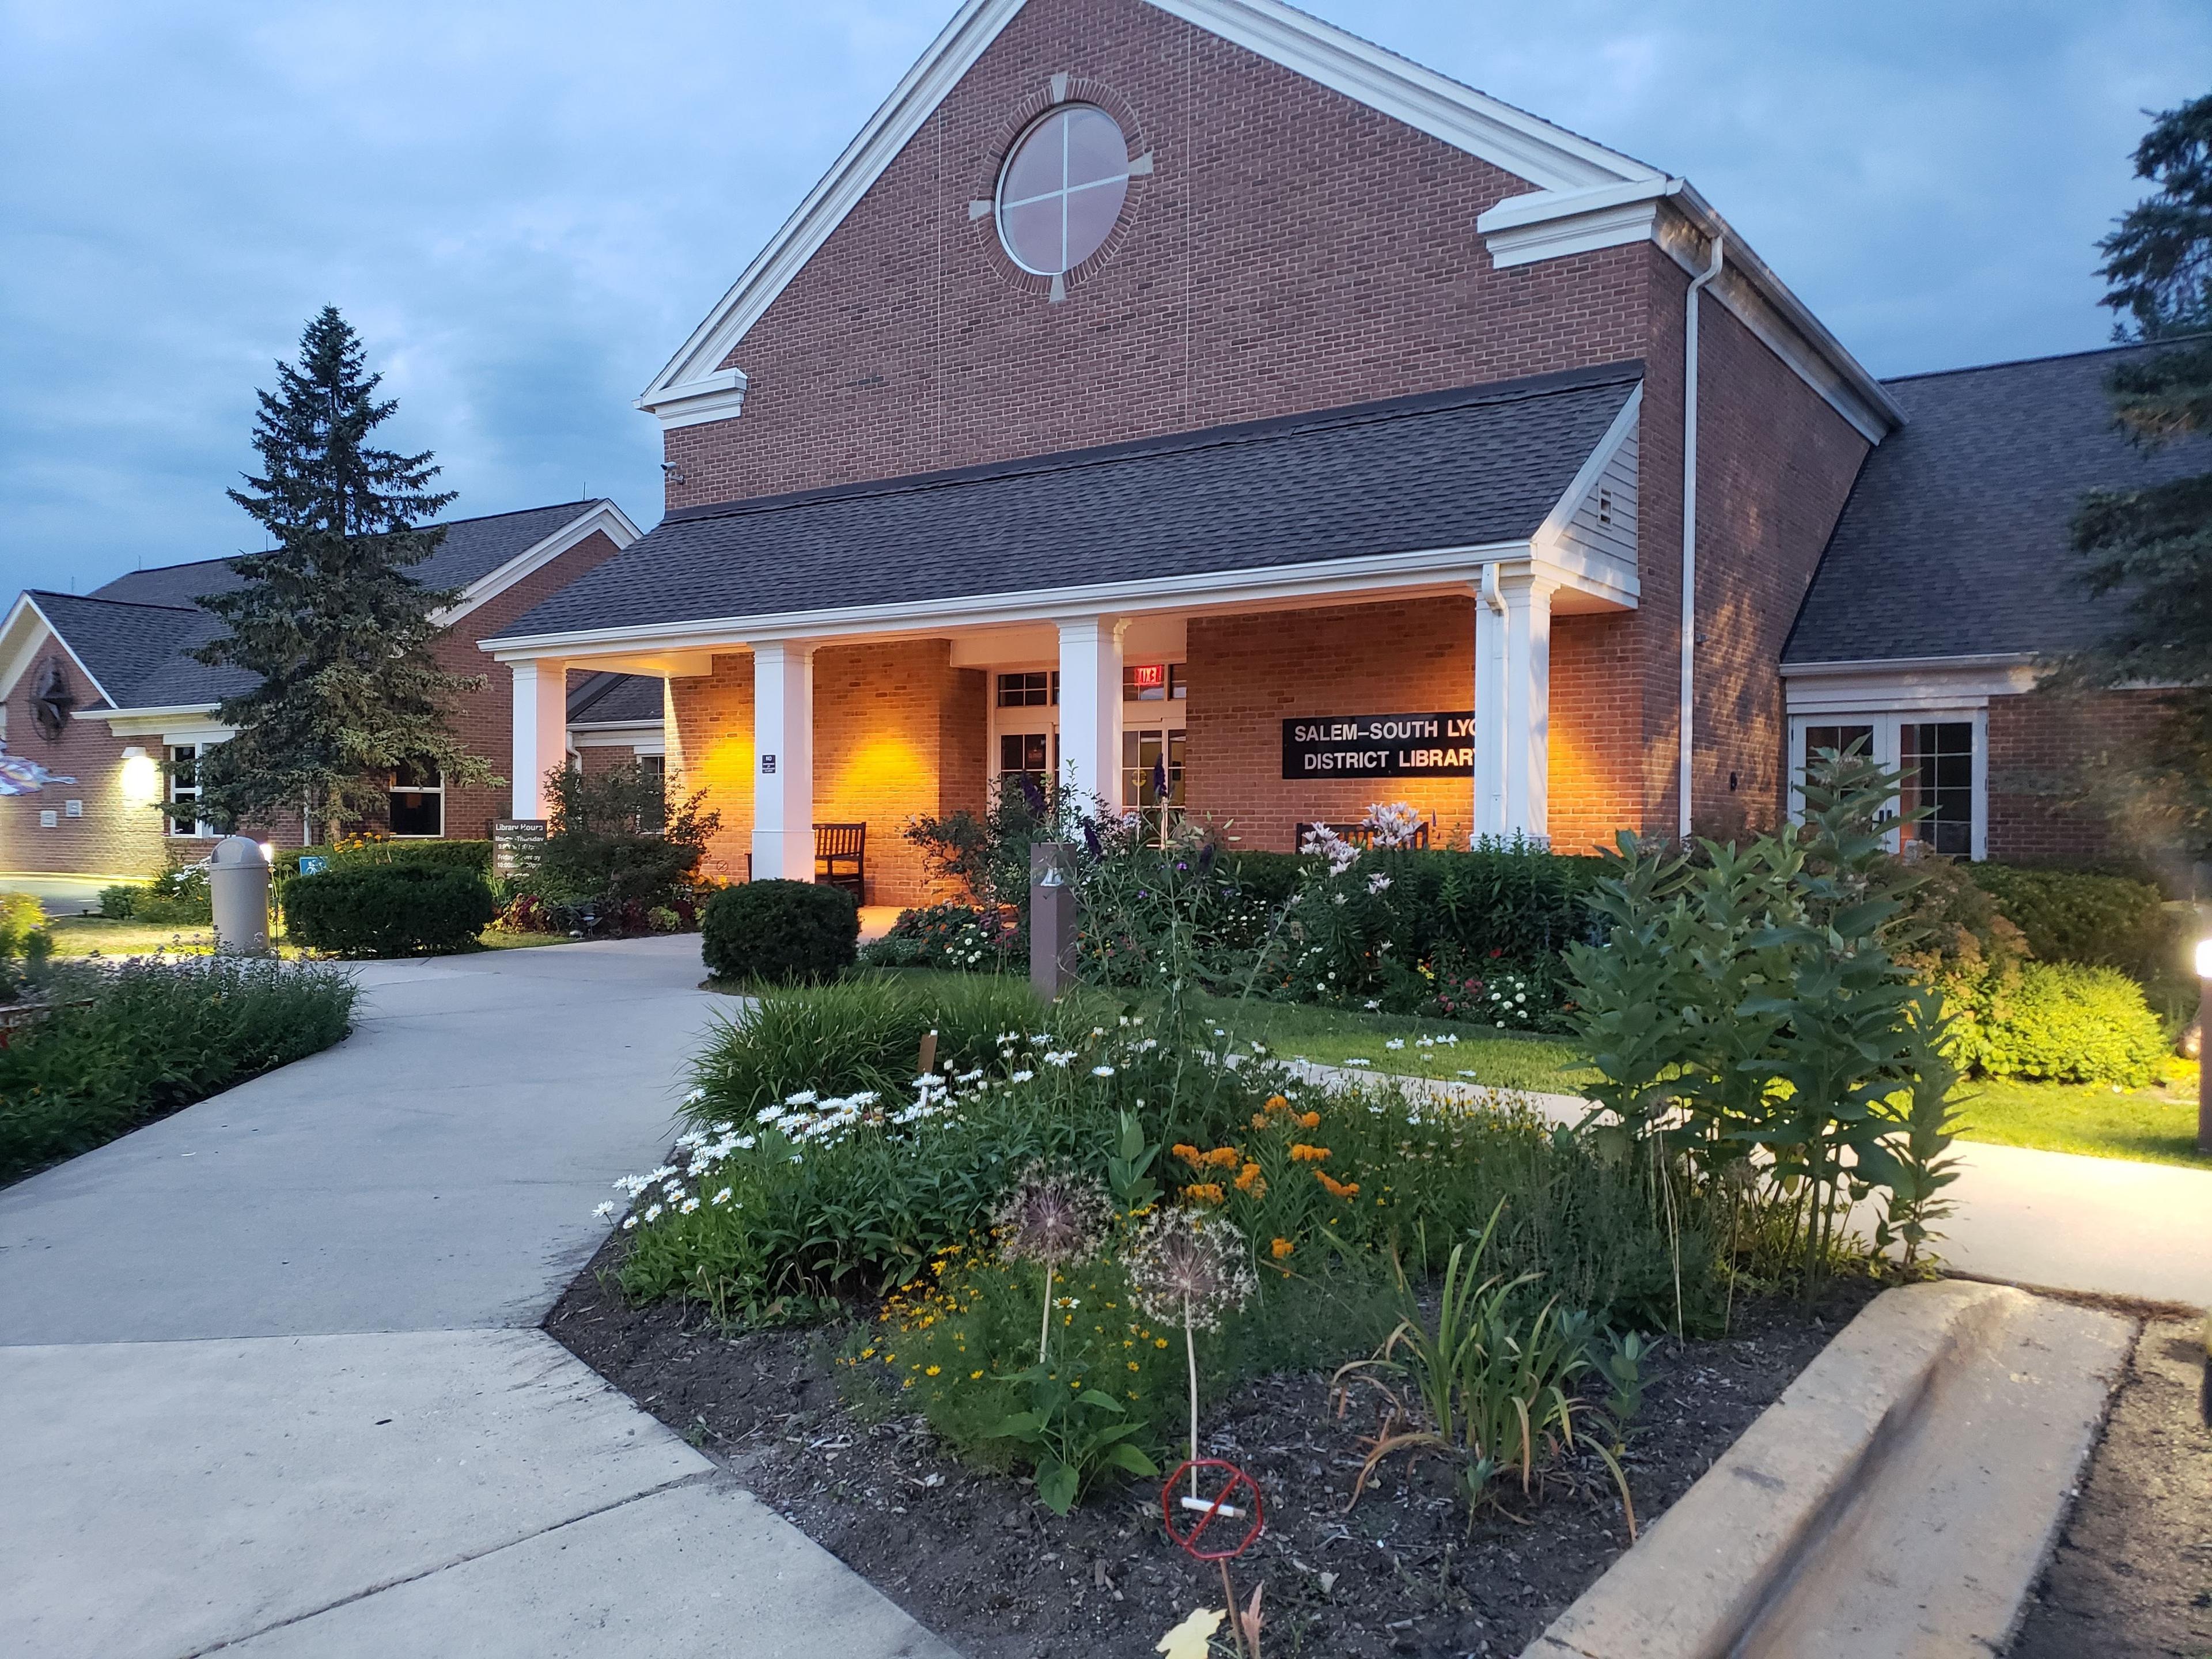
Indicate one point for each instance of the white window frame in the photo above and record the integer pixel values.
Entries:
(1887, 745)
(437, 789)
(201, 829)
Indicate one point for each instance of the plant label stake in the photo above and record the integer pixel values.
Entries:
(1200, 1513)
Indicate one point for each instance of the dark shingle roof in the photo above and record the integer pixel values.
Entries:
(473, 548)
(137, 633)
(1454, 468)
(605, 699)
(1956, 538)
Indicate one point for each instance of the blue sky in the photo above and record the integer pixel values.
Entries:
(524, 208)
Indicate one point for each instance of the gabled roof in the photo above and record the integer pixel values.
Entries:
(1956, 539)
(472, 548)
(609, 699)
(1550, 157)
(134, 636)
(1478, 467)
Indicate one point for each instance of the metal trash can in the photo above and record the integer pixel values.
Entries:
(238, 888)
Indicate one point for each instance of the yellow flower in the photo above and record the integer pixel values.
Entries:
(972, 1376)
(931, 1372)
(867, 1354)
(1159, 1342)
(1281, 1248)
(1132, 1365)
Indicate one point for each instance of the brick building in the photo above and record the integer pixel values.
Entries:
(101, 690)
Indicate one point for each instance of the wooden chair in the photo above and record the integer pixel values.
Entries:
(841, 857)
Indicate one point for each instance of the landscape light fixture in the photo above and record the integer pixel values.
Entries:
(142, 778)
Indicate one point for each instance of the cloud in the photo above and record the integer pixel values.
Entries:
(525, 208)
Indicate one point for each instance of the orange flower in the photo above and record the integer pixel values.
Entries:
(1204, 1192)
(1277, 1103)
(1303, 1153)
(1281, 1248)
(1259, 1120)
(1189, 1155)
(1309, 1121)
(1337, 1188)
(1223, 1158)
(1249, 1179)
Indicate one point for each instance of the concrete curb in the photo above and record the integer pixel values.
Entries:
(1901, 1496)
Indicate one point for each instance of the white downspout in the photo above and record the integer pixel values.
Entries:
(1690, 521)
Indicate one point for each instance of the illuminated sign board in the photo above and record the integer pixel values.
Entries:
(1379, 746)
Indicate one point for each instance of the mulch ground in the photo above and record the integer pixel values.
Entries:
(975, 1558)
(2132, 1577)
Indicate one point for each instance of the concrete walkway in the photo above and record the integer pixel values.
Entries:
(272, 1381)
(2048, 1221)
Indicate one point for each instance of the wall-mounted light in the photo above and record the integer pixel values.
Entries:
(142, 778)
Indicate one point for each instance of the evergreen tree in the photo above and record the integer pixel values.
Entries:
(329, 618)
(2152, 546)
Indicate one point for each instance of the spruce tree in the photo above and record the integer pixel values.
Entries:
(329, 618)
(2152, 546)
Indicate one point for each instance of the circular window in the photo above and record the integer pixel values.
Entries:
(1063, 189)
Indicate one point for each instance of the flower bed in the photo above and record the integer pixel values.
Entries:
(972, 1555)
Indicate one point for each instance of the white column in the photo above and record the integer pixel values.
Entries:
(1090, 706)
(541, 730)
(1512, 704)
(783, 760)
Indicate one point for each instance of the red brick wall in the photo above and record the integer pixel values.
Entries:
(2040, 746)
(484, 720)
(898, 732)
(1248, 674)
(1774, 463)
(114, 836)
(1597, 715)
(1292, 250)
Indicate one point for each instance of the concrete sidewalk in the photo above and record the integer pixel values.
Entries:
(272, 1378)
(2043, 1220)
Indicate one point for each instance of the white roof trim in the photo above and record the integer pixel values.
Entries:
(1845, 691)
(1846, 666)
(1435, 570)
(20, 643)
(694, 386)
(1552, 533)
(1551, 224)
(601, 515)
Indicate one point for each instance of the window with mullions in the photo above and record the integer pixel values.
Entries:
(1152, 769)
(1937, 759)
(1037, 688)
(1027, 755)
(417, 802)
(185, 786)
(1153, 683)
(1841, 739)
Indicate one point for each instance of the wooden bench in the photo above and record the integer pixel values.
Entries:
(841, 857)
(1361, 836)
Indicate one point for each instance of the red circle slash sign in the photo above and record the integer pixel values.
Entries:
(1237, 1500)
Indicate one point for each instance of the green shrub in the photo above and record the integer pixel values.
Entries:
(120, 902)
(954, 936)
(388, 909)
(138, 1040)
(2085, 916)
(860, 1034)
(778, 932)
(1271, 877)
(175, 898)
(21, 918)
(618, 849)
(2061, 1022)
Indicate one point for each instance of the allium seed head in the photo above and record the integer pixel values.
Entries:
(1053, 1215)
(1183, 1261)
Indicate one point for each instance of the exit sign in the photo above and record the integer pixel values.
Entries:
(1148, 676)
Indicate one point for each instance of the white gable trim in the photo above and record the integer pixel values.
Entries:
(599, 516)
(694, 387)
(23, 639)
(1669, 212)
(1556, 530)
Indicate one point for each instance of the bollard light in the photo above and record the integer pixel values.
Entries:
(2203, 1051)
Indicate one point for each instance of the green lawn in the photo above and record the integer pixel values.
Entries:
(1428, 1047)
(2157, 1125)
(80, 936)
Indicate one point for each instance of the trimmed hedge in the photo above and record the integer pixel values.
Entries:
(446, 854)
(388, 909)
(2079, 915)
(2061, 1022)
(782, 931)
